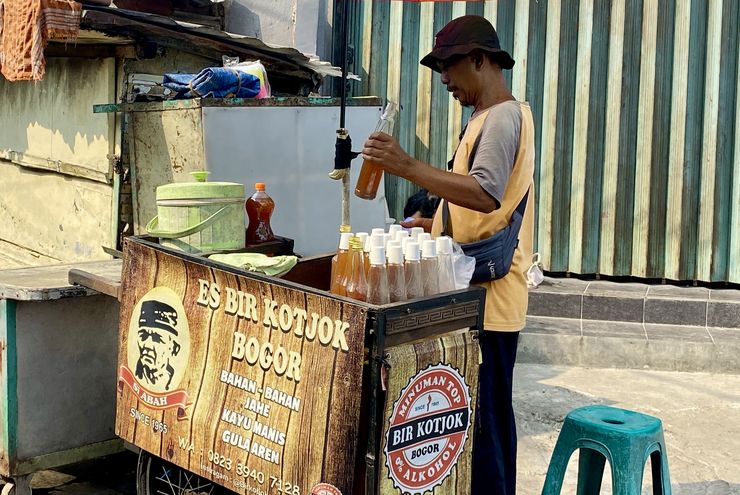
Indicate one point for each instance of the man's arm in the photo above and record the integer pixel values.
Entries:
(462, 190)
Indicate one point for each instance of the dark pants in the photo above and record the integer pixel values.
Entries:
(494, 450)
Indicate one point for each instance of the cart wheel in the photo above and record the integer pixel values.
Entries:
(155, 476)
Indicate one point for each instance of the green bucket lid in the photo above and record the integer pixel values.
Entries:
(200, 189)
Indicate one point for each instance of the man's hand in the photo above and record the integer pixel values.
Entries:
(385, 152)
(425, 223)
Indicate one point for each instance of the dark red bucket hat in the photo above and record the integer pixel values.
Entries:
(463, 35)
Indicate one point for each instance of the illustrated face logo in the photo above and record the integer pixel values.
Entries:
(159, 340)
(428, 429)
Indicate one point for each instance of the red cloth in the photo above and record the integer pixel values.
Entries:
(25, 28)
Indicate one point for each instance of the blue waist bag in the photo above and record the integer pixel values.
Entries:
(494, 255)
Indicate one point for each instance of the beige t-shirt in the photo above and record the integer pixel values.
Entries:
(504, 166)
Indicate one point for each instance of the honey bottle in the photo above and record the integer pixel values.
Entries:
(259, 210)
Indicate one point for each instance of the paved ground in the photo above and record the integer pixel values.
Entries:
(700, 413)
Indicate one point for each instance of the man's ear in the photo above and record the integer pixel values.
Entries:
(478, 58)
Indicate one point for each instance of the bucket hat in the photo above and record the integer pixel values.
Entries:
(463, 35)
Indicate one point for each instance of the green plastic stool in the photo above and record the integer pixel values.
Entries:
(625, 438)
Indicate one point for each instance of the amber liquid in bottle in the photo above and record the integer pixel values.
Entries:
(259, 210)
(356, 287)
(370, 174)
(339, 264)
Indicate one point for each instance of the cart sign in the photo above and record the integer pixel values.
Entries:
(249, 384)
(430, 420)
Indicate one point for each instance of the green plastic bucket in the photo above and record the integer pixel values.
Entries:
(200, 216)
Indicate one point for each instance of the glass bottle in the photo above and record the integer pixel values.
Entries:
(396, 276)
(370, 174)
(339, 261)
(445, 265)
(429, 270)
(259, 210)
(377, 277)
(357, 287)
(412, 271)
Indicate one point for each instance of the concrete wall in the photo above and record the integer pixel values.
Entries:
(302, 24)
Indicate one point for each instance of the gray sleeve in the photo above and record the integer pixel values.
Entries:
(499, 142)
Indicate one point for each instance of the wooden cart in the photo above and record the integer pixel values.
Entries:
(269, 385)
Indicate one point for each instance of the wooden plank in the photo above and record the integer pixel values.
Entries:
(270, 375)
(98, 283)
(425, 381)
(549, 126)
(454, 110)
(677, 132)
(395, 36)
(490, 11)
(643, 158)
(521, 41)
(661, 139)
(695, 101)
(580, 135)
(367, 37)
(424, 83)
(734, 261)
(709, 141)
(726, 124)
(595, 139)
(611, 151)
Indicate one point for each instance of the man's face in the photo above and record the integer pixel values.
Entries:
(457, 73)
(155, 347)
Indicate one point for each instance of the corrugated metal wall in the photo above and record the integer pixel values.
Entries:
(635, 105)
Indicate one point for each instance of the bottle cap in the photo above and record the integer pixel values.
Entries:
(412, 251)
(377, 232)
(392, 229)
(377, 255)
(415, 231)
(377, 240)
(260, 186)
(405, 242)
(395, 254)
(344, 240)
(387, 238)
(392, 243)
(429, 249)
(423, 237)
(444, 245)
(363, 237)
(401, 234)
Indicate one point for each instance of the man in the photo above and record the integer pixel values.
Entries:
(482, 192)
(157, 342)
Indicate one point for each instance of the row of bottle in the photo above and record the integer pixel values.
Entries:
(382, 268)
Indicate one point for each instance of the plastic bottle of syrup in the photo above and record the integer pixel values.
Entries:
(412, 271)
(339, 261)
(377, 277)
(259, 210)
(396, 276)
(357, 286)
(429, 270)
(444, 260)
(370, 174)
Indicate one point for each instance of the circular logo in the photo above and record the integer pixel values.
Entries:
(158, 340)
(428, 429)
(325, 489)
